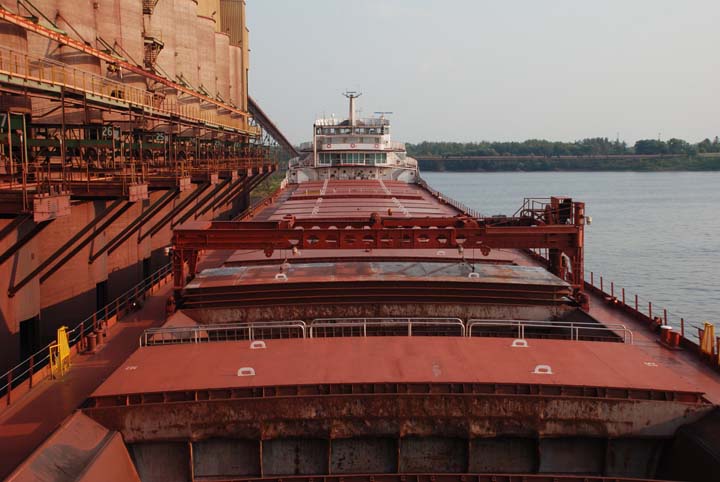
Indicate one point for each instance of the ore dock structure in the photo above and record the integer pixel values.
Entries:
(353, 326)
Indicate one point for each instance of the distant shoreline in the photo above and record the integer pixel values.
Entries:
(630, 163)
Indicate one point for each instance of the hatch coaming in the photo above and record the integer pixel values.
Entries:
(394, 402)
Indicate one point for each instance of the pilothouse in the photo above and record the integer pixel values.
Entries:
(355, 148)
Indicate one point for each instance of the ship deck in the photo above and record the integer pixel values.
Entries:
(644, 370)
(391, 360)
(354, 199)
(351, 199)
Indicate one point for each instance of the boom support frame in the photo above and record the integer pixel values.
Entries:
(558, 227)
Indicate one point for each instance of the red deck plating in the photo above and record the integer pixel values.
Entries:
(389, 360)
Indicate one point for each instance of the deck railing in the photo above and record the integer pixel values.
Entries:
(523, 329)
(33, 369)
(456, 204)
(340, 327)
(232, 332)
(647, 312)
(44, 72)
(387, 326)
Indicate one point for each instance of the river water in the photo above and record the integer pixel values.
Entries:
(655, 234)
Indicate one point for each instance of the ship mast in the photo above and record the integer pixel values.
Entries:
(352, 95)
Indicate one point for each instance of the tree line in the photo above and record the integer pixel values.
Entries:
(597, 146)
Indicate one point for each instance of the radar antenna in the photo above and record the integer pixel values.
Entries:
(352, 95)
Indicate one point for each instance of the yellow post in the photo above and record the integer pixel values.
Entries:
(708, 339)
(60, 354)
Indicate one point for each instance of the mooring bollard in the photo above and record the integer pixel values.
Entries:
(92, 342)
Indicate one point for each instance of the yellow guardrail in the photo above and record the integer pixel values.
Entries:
(707, 339)
(60, 354)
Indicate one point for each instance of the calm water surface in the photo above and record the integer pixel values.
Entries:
(656, 234)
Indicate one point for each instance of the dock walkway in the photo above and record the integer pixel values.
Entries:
(24, 426)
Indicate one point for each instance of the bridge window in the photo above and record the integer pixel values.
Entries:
(341, 158)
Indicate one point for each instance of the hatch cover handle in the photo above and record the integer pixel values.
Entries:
(246, 372)
(258, 345)
(518, 343)
(281, 277)
(543, 370)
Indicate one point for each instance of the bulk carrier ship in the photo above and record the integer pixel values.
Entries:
(357, 325)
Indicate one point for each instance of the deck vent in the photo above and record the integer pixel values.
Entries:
(518, 343)
(246, 372)
(543, 370)
(258, 345)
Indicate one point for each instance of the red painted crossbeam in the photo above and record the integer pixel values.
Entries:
(559, 237)
(376, 233)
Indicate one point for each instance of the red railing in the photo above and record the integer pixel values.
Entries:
(452, 202)
(651, 315)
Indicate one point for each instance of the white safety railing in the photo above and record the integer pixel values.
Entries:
(230, 332)
(332, 327)
(318, 328)
(575, 331)
(388, 326)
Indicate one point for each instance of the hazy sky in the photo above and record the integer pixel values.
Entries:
(465, 70)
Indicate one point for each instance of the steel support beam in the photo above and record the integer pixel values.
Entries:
(85, 242)
(254, 181)
(59, 252)
(262, 119)
(12, 225)
(23, 241)
(461, 233)
(227, 194)
(139, 222)
(225, 183)
(174, 212)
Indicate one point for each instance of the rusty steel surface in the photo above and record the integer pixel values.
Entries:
(497, 256)
(417, 415)
(399, 389)
(412, 233)
(380, 271)
(389, 360)
(367, 307)
(439, 477)
(340, 283)
(80, 447)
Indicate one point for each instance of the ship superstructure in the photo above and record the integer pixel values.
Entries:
(362, 326)
(353, 148)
